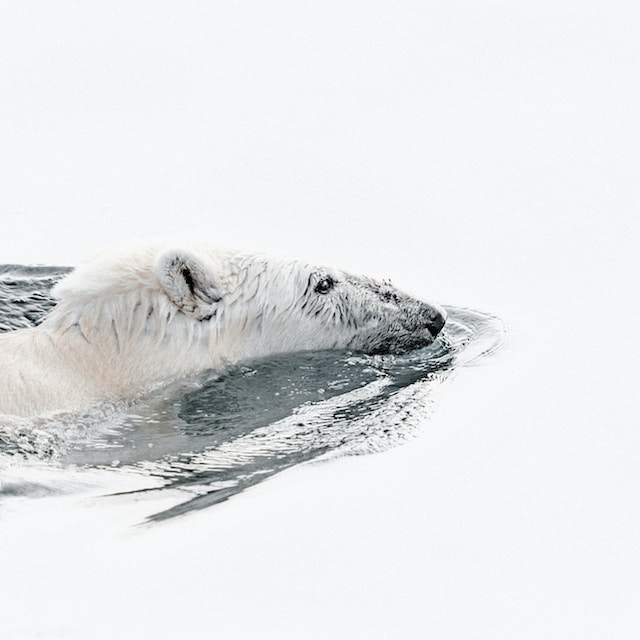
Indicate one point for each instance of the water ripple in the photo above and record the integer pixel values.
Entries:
(211, 436)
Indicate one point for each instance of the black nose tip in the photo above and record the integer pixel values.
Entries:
(437, 323)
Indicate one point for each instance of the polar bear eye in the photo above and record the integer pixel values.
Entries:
(324, 286)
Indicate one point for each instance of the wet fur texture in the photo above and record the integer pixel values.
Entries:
(135, 319)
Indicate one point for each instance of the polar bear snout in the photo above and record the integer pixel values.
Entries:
(423, 328)
(388, 320)
(437, 322)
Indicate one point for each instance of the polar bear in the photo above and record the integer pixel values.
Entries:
(134, 319)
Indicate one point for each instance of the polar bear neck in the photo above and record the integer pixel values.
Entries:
(133, 337)
(37, 377)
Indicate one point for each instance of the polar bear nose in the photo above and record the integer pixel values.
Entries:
(438, 321)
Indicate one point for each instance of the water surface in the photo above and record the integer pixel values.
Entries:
(211, 436)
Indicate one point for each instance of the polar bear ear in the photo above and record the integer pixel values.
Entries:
(188, 282)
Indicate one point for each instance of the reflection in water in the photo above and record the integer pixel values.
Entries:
(212, 436)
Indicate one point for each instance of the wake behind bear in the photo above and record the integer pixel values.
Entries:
(135, 319)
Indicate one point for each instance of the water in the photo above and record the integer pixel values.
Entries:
(211, 436)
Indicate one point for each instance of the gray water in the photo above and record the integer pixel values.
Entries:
(213, 435)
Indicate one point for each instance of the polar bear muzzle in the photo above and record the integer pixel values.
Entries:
(371, 316)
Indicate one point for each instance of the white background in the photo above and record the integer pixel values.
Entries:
(484, 154)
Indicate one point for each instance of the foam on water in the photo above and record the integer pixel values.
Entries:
(211, 436)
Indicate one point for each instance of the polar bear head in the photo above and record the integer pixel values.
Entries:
(290, 306)
(202, 308)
